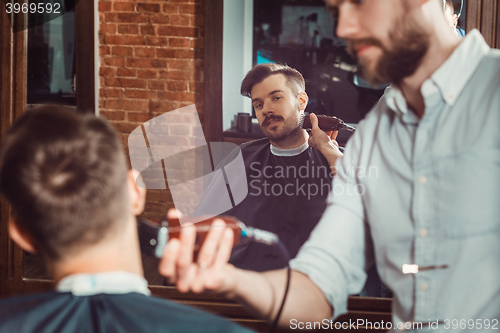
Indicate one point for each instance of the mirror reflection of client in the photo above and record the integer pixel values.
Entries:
(75, 203)
(289, 175)
(288, 180)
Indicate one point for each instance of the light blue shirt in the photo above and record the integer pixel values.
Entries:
(423, 192)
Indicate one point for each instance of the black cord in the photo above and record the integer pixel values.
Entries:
(286, 255)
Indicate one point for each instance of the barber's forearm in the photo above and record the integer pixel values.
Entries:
(332, 155)
(262, 294)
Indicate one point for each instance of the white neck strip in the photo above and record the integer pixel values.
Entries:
(117, 282)
(289, 152)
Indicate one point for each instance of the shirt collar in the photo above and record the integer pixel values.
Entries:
(457, 70)
(289, 152)
(116, 282)
(452, 76)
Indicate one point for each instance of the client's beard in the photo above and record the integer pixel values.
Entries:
(410, 43)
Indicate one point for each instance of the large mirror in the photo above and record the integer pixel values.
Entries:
(301, 34)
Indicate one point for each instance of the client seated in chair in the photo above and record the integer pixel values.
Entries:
(75, 203)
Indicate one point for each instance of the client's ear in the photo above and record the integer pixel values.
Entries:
(302, 98)
(137, 191)
(20, 237)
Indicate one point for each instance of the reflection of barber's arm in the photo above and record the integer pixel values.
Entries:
(325, 143)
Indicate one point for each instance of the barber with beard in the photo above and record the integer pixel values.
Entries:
(430, 219)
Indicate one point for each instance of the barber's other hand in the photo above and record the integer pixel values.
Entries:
(211, 270)
(324, 142)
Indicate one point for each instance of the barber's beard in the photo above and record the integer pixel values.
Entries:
(409, 44)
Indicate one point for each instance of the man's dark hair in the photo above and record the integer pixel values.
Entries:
(65, 176)
(261, 72)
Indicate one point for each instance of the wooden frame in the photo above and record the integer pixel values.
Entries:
(13, 99)
(484, 15)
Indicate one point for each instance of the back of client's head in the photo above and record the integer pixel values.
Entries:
(66, 177)
(259, 73)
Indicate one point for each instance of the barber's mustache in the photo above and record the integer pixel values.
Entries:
(271, 117)
(352, 44)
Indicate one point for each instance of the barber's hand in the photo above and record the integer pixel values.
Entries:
(211, 270)
(324, 142)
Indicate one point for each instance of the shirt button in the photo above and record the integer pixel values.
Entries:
(422, 180)
(423, 232)
(424, 286)
(451, 95)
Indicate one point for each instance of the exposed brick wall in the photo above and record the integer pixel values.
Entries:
(151, 56)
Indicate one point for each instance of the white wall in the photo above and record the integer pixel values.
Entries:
(236, 57)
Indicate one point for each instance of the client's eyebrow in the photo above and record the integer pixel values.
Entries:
(275, 92)
(271, 93)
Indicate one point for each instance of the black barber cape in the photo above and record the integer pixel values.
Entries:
(286, 195)
(62, 312)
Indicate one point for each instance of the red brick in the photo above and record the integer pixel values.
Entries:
(104, 50)
(126, 104)
(147, 74)
(126, 18)
(156, 41)
(146, 63)
(124, 40)
(107, 28)
(147, 30)
(115, 61)
(124, 6)
(160, 19)
(112, 115)
(196, 86)
(173, 53)
(197, 43)
(107, 71)
(126, 72)
(182, 19)
(111, 92)
(127, 83)
(132, 29)
(177, 86)
(142, 94)
(183, 64)
(190, 8)
(156, 84)
(139, 117)
(178, 42)
(104, 6)
(163, 106)
(171, 8)
(183, 0)
(177, 96)
(123, 51)
(177, 75)
(178, 31)
(124, 127)
(144, 52)
(148, 7)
